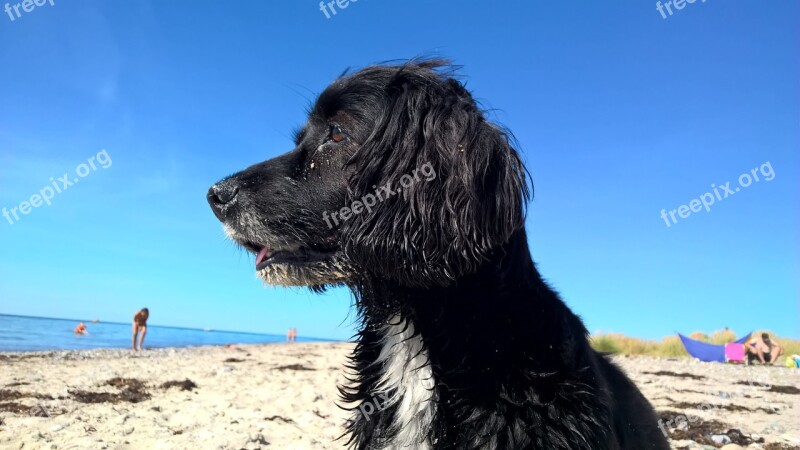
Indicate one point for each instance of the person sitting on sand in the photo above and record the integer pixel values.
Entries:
(80, 329)
(140, 324)
(763, 349)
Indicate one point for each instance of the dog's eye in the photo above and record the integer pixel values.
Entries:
(336, 134)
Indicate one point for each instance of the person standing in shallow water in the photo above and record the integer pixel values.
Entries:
(140, 324)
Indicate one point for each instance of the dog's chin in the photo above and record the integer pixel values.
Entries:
(295, 264)
(332, 270)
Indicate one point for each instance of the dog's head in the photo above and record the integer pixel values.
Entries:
(397, 174)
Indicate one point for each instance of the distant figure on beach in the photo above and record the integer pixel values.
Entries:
(140, 324)
(291, 335)
(763, 349)
(80, 329)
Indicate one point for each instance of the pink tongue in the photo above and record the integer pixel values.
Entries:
(262, 255)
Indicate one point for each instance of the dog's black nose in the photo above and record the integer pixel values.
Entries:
(221, 196)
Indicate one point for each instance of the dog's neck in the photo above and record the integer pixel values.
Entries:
(476, 337)
(504, 300)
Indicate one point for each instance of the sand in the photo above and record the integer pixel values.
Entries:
(283, 396)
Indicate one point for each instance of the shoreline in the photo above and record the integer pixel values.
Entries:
(89, 353)
(245, 396)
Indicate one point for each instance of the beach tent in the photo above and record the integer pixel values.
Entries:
(707, 352)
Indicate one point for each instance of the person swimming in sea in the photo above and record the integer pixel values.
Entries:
(80, 329)
(140, 324)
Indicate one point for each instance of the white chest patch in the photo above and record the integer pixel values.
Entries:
(407, 382)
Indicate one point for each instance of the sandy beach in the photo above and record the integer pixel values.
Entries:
(284, 397)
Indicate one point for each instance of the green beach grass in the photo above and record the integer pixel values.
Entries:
(671, 347)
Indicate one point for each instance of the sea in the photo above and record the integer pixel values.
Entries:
(22, 333)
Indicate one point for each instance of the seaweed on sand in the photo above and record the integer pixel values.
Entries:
(185, 385)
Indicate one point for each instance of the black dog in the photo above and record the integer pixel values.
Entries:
(399, 188)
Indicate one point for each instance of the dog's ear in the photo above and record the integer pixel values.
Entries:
(448, 187)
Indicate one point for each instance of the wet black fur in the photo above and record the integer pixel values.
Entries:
(512, 364)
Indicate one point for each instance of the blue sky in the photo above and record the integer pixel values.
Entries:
(620, 113)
